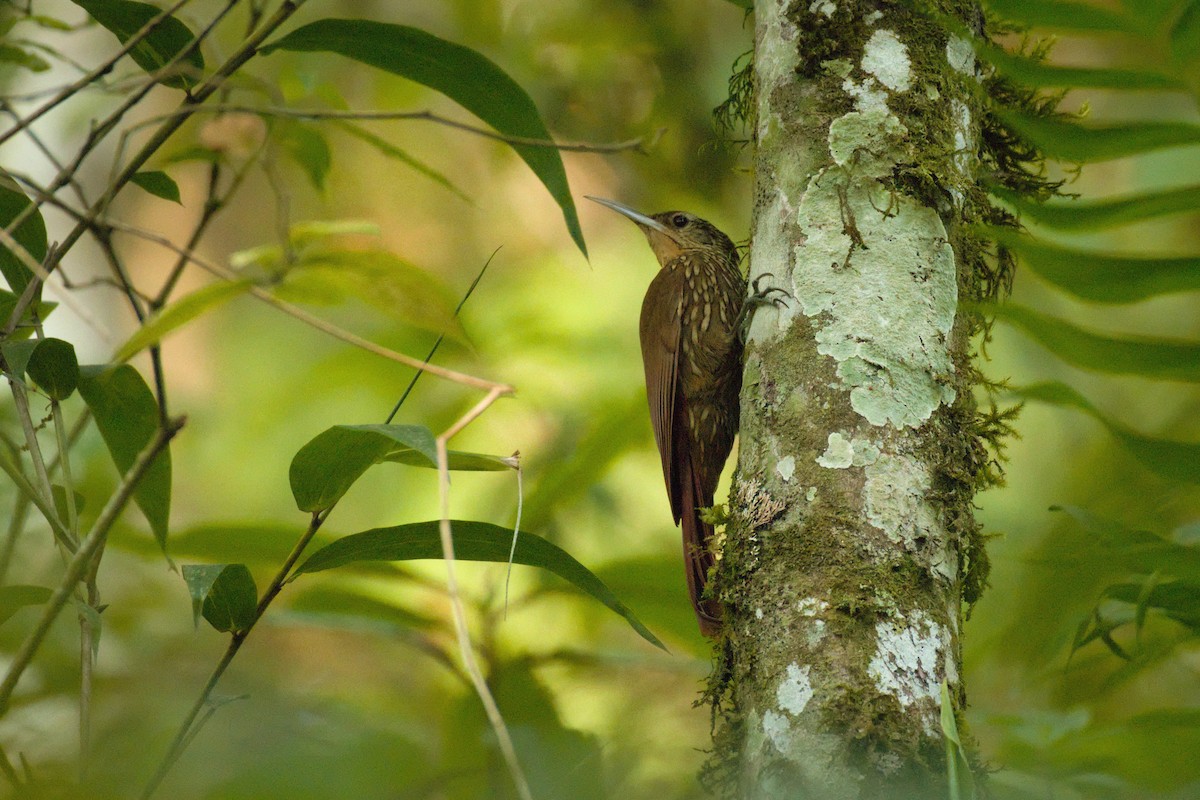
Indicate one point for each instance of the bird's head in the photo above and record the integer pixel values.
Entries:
(672, 232)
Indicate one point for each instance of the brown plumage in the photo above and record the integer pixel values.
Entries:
(692, 353)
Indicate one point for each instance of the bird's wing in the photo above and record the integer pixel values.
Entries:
(660, 333)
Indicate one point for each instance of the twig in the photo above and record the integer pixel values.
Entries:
(100, 71)
(156, 140)
(642, 144)
(433, 350)
(466, 651)
(82, 557)
(182, 737)
(316, 322)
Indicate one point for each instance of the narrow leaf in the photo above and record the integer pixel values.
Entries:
(127, 416)
(1034, 73)
(159, 184)
(15, 597)
(309, 149)
(1083, 144)
(385, 281)
(325, 468)
(1101, 277)
(180, 313)
(1148, 357)
(224, 594)
(1070, 215)
(1174, 460)
(462, 74)
(124, 18)
(473, 541)
(30, 234)
(348, 608)
(1064, 15)
(458, 460)
(391, 151)
(8, 301)
(53, 367)
(11, 54)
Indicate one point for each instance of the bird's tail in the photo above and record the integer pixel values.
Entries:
(697, 555)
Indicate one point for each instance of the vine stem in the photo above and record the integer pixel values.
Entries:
(81, 559)
(459, 614)
(236, 639)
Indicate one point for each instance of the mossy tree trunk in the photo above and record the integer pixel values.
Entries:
(852, 547)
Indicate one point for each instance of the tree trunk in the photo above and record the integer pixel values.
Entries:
(852, 545)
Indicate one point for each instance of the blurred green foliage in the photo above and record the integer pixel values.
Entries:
(351, 686)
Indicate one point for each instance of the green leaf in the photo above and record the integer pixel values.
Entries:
(30, 234)
(473, 541)
(325, 468)
(1071, 215)
(8, 301)
(1173, 460)
(180, 313)
(158, 183)
(127, 417)
(60, 501)
(1101, 277)
(958, 767)
(462, 74)
(1039, 74)
(348, 608)
(54, 368)
(309, 149)
(1064, 15)
(1082, 144)
(16, 596)
(17, 354)
(11, 54)
(391, 151)
(124, 18)
(1179, 600)
(457, 460)
(403, 291)
(1158, 359)
(224, 593)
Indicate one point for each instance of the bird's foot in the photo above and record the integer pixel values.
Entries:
(770, 296)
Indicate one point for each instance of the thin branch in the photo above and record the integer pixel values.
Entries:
(316, 322)
(34, 496)
(642, 144)
(99, 72)
(82, 558)
(441, 337)
(243, 54)
(466, 651)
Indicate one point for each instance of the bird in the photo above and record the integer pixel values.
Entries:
(690, 330)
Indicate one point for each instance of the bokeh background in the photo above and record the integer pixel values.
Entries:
(351, 687)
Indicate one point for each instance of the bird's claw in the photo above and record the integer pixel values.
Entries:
(762, 297)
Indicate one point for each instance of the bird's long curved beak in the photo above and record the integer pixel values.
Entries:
(636, 216)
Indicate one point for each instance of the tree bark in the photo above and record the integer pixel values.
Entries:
(852, 544)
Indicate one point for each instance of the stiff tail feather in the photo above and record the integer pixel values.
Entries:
(697, 557)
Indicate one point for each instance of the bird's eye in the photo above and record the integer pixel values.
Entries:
(679, 220)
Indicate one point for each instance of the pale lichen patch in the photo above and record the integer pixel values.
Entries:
(876, 276)
(896, 501)
(886, 57)
(786, 467)
(778, 730)
(795, 690)
(960, 56)
(823, 7)
(908, 662)
(838, 453)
